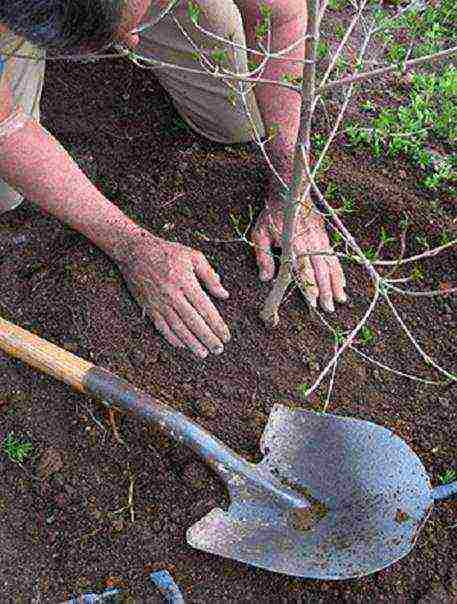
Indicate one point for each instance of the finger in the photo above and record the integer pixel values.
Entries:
(162, 326)
(181, 331)
(132, 40)
(322, 274)
(262, 242)
(307, 279)
(337, 279)
(201, 302)
(195, 324)
(208, 275)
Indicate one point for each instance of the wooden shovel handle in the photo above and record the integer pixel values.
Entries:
(43, 355)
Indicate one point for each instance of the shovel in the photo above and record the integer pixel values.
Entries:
(333, 497)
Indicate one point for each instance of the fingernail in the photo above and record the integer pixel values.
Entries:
(328, 305)
(226, 337)
(343, 298)
(218, 350)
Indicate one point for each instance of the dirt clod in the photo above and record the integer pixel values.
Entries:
(196, 475)
(51, 462)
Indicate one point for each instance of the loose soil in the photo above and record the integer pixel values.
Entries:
(57, 533)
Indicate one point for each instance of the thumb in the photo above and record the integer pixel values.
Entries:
(132, 40)
(262, 248)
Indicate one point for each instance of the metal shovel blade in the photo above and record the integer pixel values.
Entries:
(368, 495)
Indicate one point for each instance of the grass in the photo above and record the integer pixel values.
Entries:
(15, 450)
(430, 114)
(448, 476)
(434, 27)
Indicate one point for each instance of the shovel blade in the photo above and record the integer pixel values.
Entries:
(368, 496)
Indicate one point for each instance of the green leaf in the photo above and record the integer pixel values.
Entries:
(265, 10)
(193, 11)
(231, 97)
(220, 55)
(273, 130)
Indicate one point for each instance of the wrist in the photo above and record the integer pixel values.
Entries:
(128, 240)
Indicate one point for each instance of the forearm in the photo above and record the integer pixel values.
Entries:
(35, 163)
(279, 105)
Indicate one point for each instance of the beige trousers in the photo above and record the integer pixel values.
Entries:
(203, 101)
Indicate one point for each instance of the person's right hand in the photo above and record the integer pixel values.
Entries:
(163, 278)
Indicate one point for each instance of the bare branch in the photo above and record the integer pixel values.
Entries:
(406, 66)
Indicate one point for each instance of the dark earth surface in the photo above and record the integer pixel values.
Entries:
(58, 533)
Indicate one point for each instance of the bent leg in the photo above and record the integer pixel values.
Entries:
(26, 77)
(203, 101)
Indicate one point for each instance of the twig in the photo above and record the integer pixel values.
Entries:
(406, 66)
(332, 381)
(130, 499)
(426, 254)
(423, 354)
(269, 312)
(112, 422)
(348, 341)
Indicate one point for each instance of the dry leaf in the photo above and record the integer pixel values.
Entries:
(50, 462)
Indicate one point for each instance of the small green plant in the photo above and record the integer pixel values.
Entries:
(322, 49)
(423, 241)
(448, 476)
(15, 450)
(368, 106)
(444, 238)
(338, 336)
(337, 4)
(430, 113)
(370, 253)
(303, 390)
(417, 274)
(367, 335)
(340, 30)
(348, 205)
(337, 237)
(331, 190)
(385, 237)
(262, 27)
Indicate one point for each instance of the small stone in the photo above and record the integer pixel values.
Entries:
(445, 402)
(205, 408)
(118, 525)
(137, 358)
(51, 461)
(157, 526)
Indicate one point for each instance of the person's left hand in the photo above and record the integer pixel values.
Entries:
(321, 275)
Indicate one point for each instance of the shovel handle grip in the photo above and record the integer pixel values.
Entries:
(43, 355)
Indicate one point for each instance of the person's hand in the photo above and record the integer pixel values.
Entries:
(163, 278)
(321, 276)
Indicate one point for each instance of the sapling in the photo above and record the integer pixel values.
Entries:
(343, 73)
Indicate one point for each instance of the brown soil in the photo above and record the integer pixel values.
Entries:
(57, 535)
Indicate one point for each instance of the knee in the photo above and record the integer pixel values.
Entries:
(222, 17)
(282, 11)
